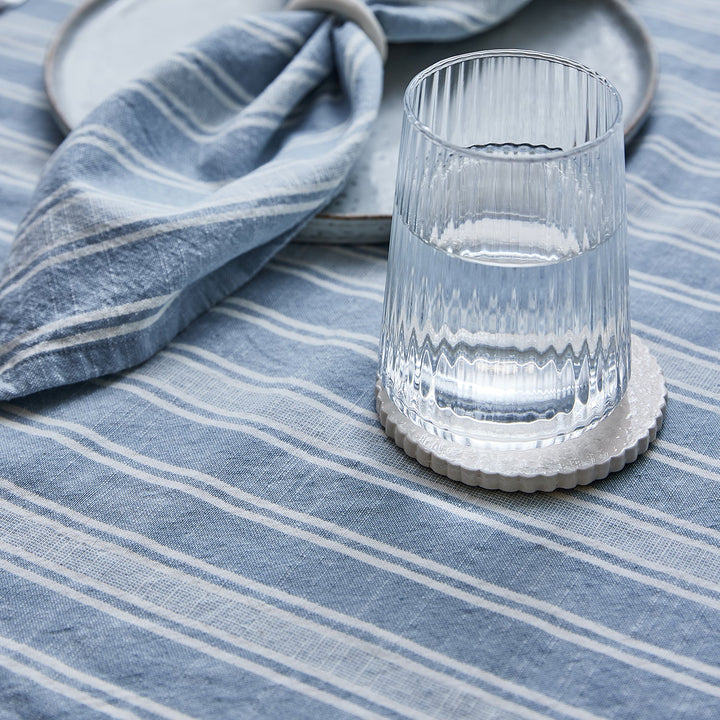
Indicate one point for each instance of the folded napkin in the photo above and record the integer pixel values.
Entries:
(176, 191)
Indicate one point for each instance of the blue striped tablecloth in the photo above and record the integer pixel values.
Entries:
(224, 532)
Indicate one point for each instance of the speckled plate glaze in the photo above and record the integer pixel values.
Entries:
(617, 440)
(106, 43)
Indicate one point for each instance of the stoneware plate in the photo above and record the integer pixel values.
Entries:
(106, 43)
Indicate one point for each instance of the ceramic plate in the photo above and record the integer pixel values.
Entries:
(106, 43)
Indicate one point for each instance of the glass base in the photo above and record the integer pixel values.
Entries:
(614, 441)
(501, 436)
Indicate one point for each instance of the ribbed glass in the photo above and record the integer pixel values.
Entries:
(506, 304)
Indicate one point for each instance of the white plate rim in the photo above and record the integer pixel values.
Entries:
(87, 8)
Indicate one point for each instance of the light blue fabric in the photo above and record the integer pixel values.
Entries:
(224, 531)
(176, 191)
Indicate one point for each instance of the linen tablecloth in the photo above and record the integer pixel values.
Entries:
(225, 532)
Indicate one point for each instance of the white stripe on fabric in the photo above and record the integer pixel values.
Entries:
(133, 164)
(657, 453)
(303, 399)
(694, 389)
(314, 138)
(23, 94)
(299, 324)
(89, 336)
(247, 120)
(296, 75)
(352, 132)
(19, 21)
(20, 174)
(301, 644)
(280, 266)
(685, 298)
(664, 350)
(692, 235)
(636, 522)
(115, 691)
(355, 58)
(108, 135)
(653, 512)
(79, 696)
(242, 400)
(186, 109)
(80, 198)
(619, 570)
(321, 269)
(9, 180)
(241, 94)
(271, 39)
(676, 86)
(355, 537)
(180, 638)
(280, 380)
(87, 232)
(675, 108)
(668, 238)
(279, 29)
(212, 202)
(19, 147)
(704, 400)
(694, 402)
(687, 452)
(685, 18)
(688, 53)
(211, 135)
(699, 226)
(291, 335)
(285, 83)
(369, 253)
(26, 54)
(680, 157)
(279, 392)
(678, 562)
(300, 62)
(76, 192)
(87, 317)
(680, 465)
(159, 229)
(216, 90)
(675, 340)
(638, 181)
(301, 74)
(26, 50)
(298, 601)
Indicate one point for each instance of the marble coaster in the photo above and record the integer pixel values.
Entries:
(614, 442)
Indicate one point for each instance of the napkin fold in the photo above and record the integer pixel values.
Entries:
(179, 188)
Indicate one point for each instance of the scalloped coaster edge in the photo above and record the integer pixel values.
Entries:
(617, 440)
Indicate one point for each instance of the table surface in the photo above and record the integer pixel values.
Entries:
(224, 531)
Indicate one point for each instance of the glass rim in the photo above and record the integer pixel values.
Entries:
(540, 156)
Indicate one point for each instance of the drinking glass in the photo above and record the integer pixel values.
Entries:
(506, 304)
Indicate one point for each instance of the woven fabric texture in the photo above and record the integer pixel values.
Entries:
(224, 531)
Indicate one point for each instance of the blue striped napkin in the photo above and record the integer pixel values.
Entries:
(178, 189)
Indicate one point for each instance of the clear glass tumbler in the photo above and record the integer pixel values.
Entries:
(506, 304)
